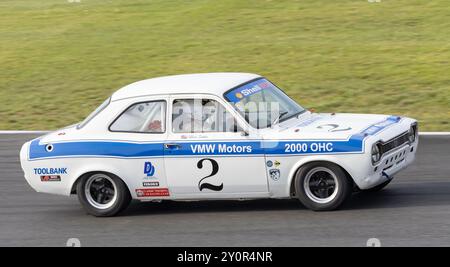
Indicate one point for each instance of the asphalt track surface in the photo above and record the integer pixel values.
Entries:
(413, 211)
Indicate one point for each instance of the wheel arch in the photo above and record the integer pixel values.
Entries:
(295, 169)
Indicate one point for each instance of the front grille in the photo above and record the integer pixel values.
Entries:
(394, 143)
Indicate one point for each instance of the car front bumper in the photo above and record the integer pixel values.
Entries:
(390, 164)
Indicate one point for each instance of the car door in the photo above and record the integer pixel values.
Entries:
(208, 154)
(141, 130)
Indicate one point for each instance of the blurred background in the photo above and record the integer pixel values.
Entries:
(59, 59)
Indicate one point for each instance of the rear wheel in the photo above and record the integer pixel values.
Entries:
(103, 194)
(322, 186)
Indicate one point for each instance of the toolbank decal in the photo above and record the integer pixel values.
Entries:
(50, 171)
(247, 90)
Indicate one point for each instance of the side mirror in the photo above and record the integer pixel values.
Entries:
(244, 133)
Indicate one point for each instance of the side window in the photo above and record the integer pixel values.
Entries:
(201, 116)
(145, 117)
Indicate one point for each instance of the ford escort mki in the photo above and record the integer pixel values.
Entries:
(216, 136)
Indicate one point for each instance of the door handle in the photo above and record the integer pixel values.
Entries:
(172, 146)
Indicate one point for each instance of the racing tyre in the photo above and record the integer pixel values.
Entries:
(103, 194)
(322, 186)
(378, 187)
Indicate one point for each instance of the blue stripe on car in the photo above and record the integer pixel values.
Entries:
(124, 149)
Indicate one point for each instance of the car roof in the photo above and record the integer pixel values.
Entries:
(201, 83)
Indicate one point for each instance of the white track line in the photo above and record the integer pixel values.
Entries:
(44, 132)
(434, 133)
(24, 132)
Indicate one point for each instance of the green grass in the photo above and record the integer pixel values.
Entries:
(59, 60)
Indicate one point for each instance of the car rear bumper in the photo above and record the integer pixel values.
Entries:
(25, 166)
(61, 187)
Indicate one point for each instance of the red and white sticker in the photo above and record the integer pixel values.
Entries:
(51, 178)
(153, 192)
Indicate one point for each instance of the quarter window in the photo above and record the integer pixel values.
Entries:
(145, 117)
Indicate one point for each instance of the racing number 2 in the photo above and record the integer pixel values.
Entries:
(215, 169)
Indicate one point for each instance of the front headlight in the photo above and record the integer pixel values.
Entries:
(376, 153)
(412, 133)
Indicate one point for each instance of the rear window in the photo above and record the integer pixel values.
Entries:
(94, 113)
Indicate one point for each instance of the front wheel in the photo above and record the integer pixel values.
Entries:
(322, 186)
(103, 194)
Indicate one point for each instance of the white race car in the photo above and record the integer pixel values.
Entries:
(216, 136)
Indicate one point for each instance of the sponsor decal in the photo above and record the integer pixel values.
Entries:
(149, 169)
(269, 163)
(247, 90)
(275, 174)
(220, 148)
(150, 184)
(265, 84)
(50, 171)
(50, 178)
(308, 147)
(250, 91)
(153, 192)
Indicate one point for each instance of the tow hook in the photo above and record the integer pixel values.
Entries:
(386, 175)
